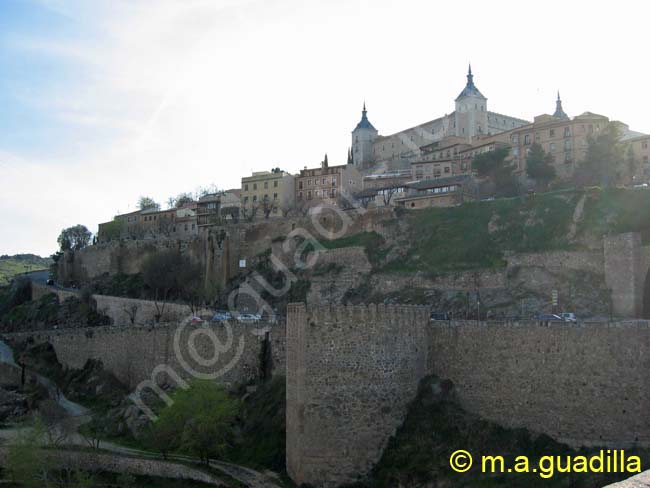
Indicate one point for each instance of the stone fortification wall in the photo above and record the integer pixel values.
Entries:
(119, 309)
(351, 372)
(229, 353)
(581, 384)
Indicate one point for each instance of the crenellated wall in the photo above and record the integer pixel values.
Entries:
(351, 372)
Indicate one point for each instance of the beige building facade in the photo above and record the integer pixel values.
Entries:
(275, 189)
(327, 185)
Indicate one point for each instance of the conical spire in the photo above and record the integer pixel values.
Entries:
(470, 89)
(559, 112)
(365, 123)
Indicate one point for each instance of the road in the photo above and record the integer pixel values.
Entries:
(77, 415)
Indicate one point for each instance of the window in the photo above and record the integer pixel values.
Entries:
(514, 138)
(254, 186)
(527, 140)
(309, 195)
(275, 184)
(275, 196)
(308, 182)
(551, 133)
(644, 145)
(515, 151)
(266, 185)
(447, 168)
(567, 145)
(333, 180)
(300, 185)
(551, 147)
(324, 181)
(246, 187)
(645, 159)
(254, 198)
(300, 196)
(567, 132)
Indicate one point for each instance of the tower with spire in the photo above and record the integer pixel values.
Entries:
(559, 112)
(470, 118)
(363, 136)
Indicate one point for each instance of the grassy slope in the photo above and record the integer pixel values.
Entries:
(478, 234)
(13, 265)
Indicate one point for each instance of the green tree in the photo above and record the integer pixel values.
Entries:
(198, 422)
(25, 464)
(603, 162)
(632, 164)
(539, 165)
(74, 238)
(112, 230)
(496, 166)
(183, 199)
(146, 203)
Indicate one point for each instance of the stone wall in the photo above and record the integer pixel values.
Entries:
(229, 353)
(113, 463)
(219, 249)
(351, 372)
(464, 280)
(625, 272)
(119, 309)
(583, 385)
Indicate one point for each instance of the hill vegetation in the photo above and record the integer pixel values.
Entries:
(480, 234)
(10, 266)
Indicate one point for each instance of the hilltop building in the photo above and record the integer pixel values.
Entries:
(327, 185)
(470, 119)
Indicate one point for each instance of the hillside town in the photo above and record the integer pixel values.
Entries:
(462, 303)
(429, 165)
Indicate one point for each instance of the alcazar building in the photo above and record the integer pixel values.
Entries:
(470, 118)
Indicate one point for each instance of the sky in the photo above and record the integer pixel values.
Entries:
(102, 101)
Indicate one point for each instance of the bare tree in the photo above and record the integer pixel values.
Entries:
(165, 225)
(248, 212)
(364, 198)
(388, 193)
(159, 272)
(232, 212)
(268, 206)
(132, 312)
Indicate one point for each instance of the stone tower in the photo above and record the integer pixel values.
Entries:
(362, 138)
(471, 111)
(559, 112)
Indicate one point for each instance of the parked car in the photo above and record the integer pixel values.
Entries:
(221, 316)
(248, 317)
(439, 316)
(50, 282)
(569, 316)
(196, 319)
(549, 317)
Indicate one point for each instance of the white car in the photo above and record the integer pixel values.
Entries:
(569, 316)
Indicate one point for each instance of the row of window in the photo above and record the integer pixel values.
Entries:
(275, 198)
(266, 185)
(317, 181)
(319, 194)
(443, 189)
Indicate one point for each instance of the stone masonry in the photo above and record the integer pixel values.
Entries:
(351, 372)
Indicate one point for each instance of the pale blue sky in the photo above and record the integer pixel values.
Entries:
(104, 100)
